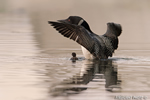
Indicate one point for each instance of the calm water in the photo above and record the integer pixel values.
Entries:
(28, 72)
(34, 65)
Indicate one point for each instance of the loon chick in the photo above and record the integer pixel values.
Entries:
(74, 58)
(93, 45)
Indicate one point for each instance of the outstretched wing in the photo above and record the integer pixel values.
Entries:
(76, 33)
(113, 31)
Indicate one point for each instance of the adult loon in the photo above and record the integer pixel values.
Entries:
(93, 45)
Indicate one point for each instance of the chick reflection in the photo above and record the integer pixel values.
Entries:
(91, 71)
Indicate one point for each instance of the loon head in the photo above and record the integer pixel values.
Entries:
(77, 21)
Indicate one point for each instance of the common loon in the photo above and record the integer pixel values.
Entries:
(93, 45)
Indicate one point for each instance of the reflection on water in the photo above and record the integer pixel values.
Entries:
(99, 72)
(35, 60)
(29, 72)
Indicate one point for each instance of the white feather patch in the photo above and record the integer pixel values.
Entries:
(86, 53)
(76, 38)
(80, 22)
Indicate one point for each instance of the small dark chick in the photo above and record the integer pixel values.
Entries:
(74, 58)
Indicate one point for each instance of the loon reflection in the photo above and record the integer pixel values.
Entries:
(100, 71)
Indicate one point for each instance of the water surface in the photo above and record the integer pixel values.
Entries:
(35, 60)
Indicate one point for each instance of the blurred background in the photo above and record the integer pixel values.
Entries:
(132, 15)
(35, 59)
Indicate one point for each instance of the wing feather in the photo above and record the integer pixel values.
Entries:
(76, 33)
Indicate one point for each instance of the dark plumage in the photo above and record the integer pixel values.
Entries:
(77, 29)
(74, 58)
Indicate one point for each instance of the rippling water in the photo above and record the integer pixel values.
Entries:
(36, 67)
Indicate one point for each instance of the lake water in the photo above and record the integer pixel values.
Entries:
(35, 64)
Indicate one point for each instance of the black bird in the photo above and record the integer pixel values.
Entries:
(74, 58)
(93, 45)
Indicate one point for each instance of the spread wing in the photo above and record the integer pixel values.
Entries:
(113, 31)
(76, 33)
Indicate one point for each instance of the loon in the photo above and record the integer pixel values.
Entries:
(93, 46)
(74, 58)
